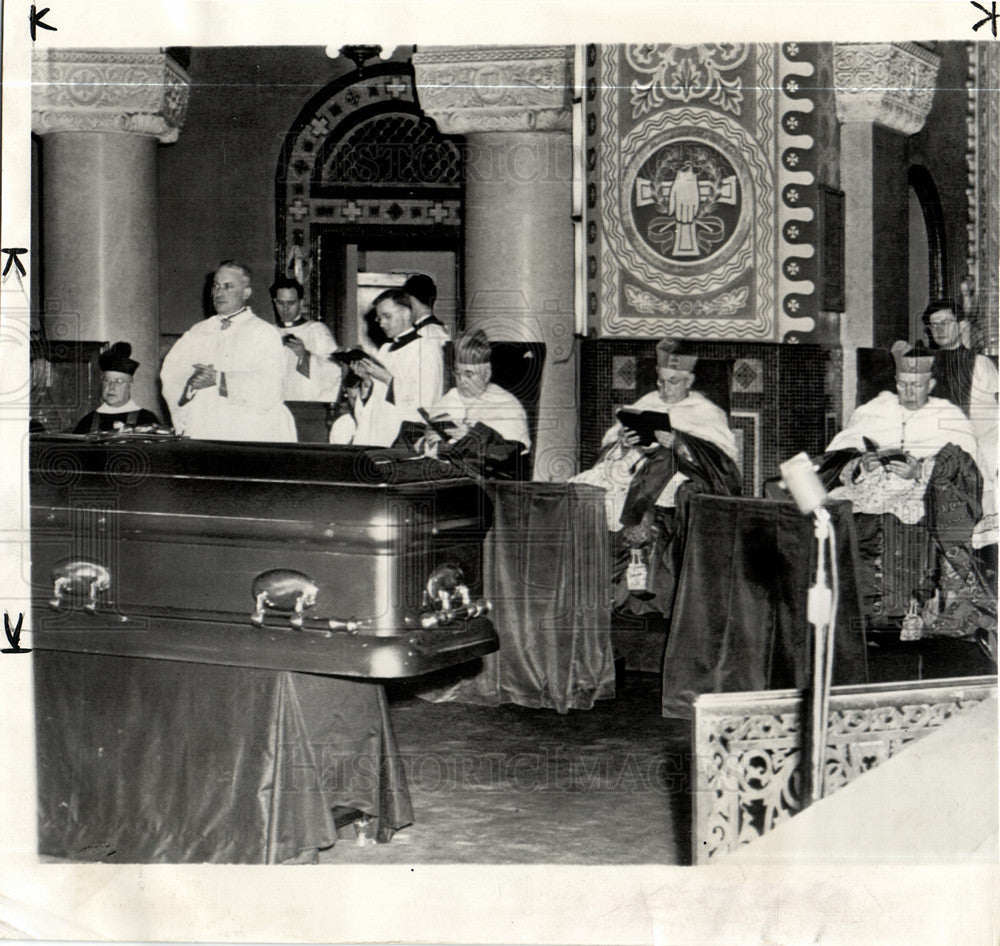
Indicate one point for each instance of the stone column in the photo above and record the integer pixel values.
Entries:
(514, 107)
(100, 115)
(884, 92)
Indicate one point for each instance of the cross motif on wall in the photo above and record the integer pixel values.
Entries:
(685, 242)
(320, 126)
(438, 212)
(298, 211)
(396, 88)
(352, 211)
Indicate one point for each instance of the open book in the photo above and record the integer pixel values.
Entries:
(644, 423)
(351, 356)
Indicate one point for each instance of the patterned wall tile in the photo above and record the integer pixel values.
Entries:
(623, 372)
(748, 376)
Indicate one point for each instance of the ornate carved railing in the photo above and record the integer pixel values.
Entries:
(747, 746)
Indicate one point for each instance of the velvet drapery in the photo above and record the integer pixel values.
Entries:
(148, 761)
(739, 620)
(547, 572)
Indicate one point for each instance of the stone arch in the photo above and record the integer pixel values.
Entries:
(362, 162)
(920, 179)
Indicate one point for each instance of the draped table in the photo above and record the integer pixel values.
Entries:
(739, 621)
(547, 572)
(167, 761)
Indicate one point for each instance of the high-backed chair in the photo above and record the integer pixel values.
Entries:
(517, 367)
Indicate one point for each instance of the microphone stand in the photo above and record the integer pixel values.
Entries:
(820, 605)
(809, 494)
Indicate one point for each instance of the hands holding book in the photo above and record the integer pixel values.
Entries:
(440, 428)
(892, 460)
(645, 430)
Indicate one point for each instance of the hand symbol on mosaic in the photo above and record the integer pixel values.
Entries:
(684, 196)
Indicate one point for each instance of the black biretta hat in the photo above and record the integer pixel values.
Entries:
(118, 358)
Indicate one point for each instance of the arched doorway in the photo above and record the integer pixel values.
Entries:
(367, 189)
(928, 271)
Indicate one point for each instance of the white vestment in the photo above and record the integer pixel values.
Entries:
(983, 416)
(323, 383)
(496, 407)
(889, 425)
(247, 401)
(695, 415)
(417, 370)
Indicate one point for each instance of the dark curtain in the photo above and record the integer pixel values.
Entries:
(739, 619)
(547, 573)
(162, 761)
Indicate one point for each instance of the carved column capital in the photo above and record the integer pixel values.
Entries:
(137, 91)
(496, 88)
(892, 84)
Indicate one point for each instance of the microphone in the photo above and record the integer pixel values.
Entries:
(801, 481)
(821, 607)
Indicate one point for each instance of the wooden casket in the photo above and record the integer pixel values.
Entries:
(211, 623)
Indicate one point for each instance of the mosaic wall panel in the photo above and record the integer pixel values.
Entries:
(784, 398)
(747, 758)
(701, 190)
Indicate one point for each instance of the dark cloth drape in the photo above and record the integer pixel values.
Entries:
(953, 504)
(739, 620)
(162, 761)
(480, 453)
(900, 562)
(707, 468)
(658, 531)
(547, 573)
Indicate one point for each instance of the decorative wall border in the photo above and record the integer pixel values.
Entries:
(983, 187)
(748, 425)
(747, 749)
(797, 276)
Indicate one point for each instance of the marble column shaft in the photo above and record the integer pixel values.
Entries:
(100, 115)
(884, 92)
(513, 106)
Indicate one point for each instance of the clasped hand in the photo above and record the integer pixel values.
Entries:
(205, 376)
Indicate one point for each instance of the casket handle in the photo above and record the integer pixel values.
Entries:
(283, 589)
(76, 577)
(448, 599)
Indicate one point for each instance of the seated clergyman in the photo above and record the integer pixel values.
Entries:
(647, 487)
(969, 380)
(117, 410)
(913, 456)
(478, 421)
